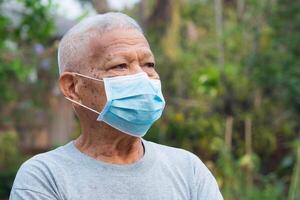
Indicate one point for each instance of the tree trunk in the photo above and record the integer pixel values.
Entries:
(219, 32)
(228, 132)
(63, 122)
(101, 6)
(143, 13)
(248, 149)
(160, 16)
(240, 9)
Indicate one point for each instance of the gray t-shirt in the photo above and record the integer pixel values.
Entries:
(163, 172)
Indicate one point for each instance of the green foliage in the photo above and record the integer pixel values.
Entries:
(36, 22)
(258, 85)
(295, 182)
(18, 34)
(9, 152)
(260, 82)
(10, 160)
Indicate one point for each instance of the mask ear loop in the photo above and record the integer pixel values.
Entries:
(95, 79)
(73, 101)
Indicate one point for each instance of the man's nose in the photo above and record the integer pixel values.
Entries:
(135, 68)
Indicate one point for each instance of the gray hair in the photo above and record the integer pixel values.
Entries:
(74, 43)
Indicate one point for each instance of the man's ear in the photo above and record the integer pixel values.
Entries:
(67, 85)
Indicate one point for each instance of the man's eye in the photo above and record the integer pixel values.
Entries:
(120, 66)
(152, 65)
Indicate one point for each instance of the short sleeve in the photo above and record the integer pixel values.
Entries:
(26, 194)
(33, 181)
(206, 186)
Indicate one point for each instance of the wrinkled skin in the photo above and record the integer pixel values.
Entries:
(115, 53)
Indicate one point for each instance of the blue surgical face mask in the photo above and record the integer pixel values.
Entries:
(134, 103)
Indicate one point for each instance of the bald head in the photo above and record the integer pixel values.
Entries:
(73, 50)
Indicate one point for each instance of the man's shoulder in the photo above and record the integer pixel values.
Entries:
(41, 166)
(170, 150)
(37, 174)
(50, 157)
(203, 182)
(178, 156)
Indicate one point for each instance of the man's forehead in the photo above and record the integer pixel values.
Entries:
(143, 53)
(120, 37)
(118, 40)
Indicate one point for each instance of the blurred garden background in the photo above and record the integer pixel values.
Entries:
(230, 72)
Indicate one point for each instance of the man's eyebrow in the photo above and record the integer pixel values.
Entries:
(145, 54)
(111, 56)
(123, 54)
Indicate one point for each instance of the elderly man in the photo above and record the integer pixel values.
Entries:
(107, 71)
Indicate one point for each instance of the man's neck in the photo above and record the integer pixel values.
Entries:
(106, 144)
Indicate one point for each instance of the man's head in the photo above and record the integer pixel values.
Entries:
(106, 45)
